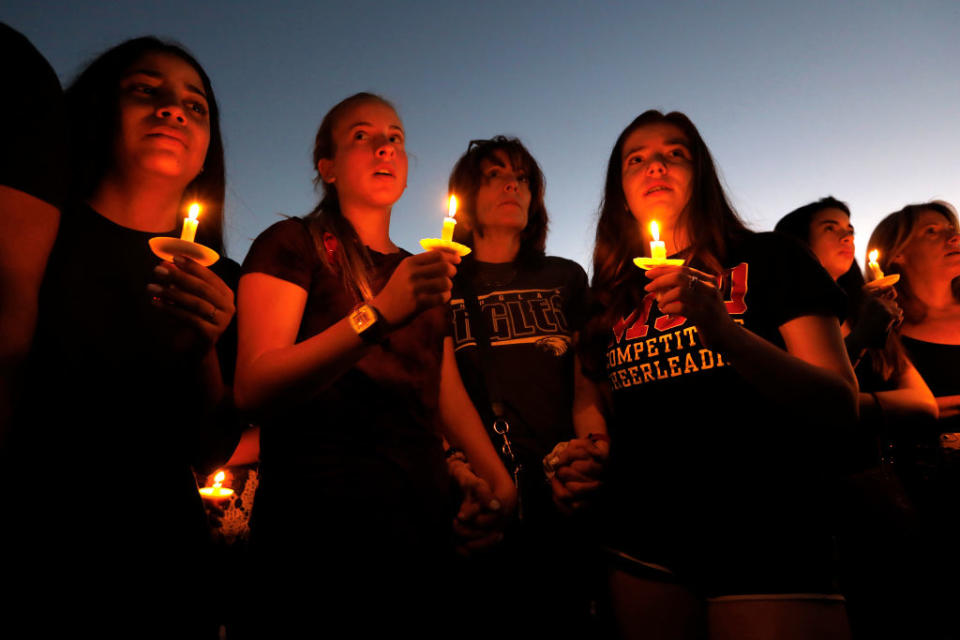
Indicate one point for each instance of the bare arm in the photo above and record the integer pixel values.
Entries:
(28, 227)
(464, 430)
(272, 368)
(910, 401)
(812, 377)
(949, 406)
(589, 404)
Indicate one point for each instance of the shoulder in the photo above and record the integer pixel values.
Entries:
(570, 271)
(283, 249)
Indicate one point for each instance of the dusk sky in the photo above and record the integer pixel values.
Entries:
(859, 100)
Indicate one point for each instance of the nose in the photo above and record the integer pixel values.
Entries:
(656, 166)
(172, 112)
(386, 149)
(511, 183)
(847, 237)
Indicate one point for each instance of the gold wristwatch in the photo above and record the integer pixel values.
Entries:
(368, 323)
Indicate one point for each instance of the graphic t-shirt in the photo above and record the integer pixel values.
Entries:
(531, 313)
(701, 460)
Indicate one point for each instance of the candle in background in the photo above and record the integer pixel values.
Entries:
(190, 223)
(658, 250)
(449, 222)
(217, 491)
(873, 265)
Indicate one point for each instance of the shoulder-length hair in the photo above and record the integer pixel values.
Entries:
(709, 220)
(93, 119)
(338, 245)
(467, 177)
(892, 236)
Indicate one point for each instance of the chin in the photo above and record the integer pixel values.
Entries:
(169, 166)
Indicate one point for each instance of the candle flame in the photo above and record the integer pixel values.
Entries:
(873, 256)
(218, 479)
(655, 231)
(451, 212)
(194, 210)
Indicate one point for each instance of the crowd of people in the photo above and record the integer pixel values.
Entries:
(753, 438)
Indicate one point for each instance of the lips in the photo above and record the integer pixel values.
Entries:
(168, 133)
(384, 171)
(657, 187)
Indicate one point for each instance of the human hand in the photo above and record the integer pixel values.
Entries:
(194, 294)
(575, 469)
(685, 291)
(878, 314)
(418, 283)
(483, 513)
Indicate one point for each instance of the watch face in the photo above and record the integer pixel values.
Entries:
(363, 318)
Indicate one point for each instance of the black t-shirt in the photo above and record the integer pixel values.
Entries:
(531, 313)
(705, 469)
(33, 157)
(938, 364)
(367, 440)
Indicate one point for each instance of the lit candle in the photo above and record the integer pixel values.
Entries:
(217, 491)
(449, 222)
(658, 250)
(190, 223)
(874, 266)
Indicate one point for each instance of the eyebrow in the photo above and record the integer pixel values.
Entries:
(672, 142)
(159, 76)
(836, 222)
(370, 124)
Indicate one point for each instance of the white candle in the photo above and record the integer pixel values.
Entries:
(190, 223)
(658, 250)
(449, 222)
(874, 267)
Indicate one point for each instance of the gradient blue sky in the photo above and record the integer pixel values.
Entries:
(855, 99)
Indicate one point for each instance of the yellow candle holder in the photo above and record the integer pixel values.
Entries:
(653, 263)
(429, 244)
(168, 248)
(885, 281)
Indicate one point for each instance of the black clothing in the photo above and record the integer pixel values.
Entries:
(114, 419)
(937, 363)
(353, 489)
(34, 153)
(708, 476)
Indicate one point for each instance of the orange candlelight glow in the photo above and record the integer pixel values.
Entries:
(190, 223)
(873, 265)
(217, 491)
(658, 249)
(449, 222)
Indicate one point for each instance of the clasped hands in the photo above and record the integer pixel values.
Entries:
(575, 469)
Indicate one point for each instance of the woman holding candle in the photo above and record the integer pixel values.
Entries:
(880, 537)
(726, 387)
(343, 356)
(519, 366)
(134, 348)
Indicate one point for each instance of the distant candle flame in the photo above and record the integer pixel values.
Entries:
(218, 479)
(451, 212)
(873, 256)
(194, 210)
(655, 231)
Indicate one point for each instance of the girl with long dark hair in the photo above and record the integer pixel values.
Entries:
(728, 376)
(133, 361)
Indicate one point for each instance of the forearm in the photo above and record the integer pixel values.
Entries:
(949, 406)
(296, 373)
(588, 405)
(790, 381)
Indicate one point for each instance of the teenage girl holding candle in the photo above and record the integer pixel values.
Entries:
(729, 379)
(132, 363)
(343, 356)
(881, 549)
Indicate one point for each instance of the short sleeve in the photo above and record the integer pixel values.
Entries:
(797, 285)
(285, 250)
(33, 155)
(578, 297)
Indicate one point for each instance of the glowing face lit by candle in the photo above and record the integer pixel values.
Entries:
(449, 222)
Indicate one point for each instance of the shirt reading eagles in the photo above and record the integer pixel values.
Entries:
(520, 316)
(642, 351)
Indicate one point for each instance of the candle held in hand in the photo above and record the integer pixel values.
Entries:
(217, 491)
(874, 267)
(190, 223)
(658, 249)
(449, 222)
